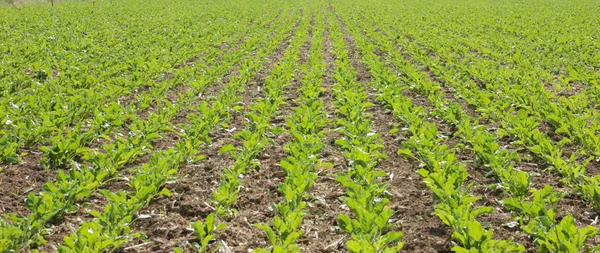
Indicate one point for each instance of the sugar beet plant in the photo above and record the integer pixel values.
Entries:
(370, 228)
(305, 126)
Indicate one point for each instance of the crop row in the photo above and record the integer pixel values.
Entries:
(305, 125)
(365, 193)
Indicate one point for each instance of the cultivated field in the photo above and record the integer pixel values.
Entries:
(300, 126)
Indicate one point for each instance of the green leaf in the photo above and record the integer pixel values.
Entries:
(269, 231)
(353, 246)
(226, 148)
(475, 230)
(405, 153)
(166, 192)
(221, 226)
(277, 130)
(95, 213)
(345, 223)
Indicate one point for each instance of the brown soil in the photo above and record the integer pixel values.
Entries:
(18, 180)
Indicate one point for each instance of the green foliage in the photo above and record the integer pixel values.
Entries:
(205, 231)
(366, 195)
